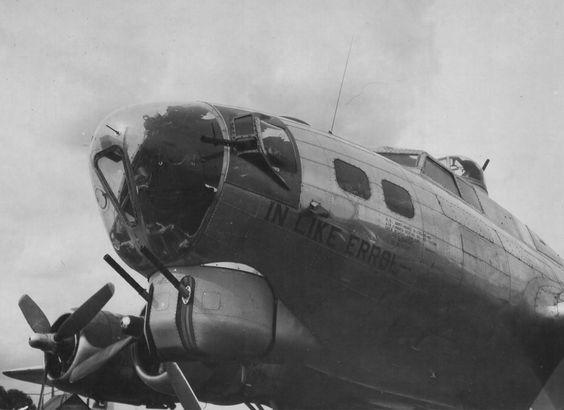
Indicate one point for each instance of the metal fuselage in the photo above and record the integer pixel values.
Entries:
(449, 307)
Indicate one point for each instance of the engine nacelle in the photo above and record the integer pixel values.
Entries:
(231, 315)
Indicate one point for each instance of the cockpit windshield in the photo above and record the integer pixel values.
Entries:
(407, 160)
(150, 163)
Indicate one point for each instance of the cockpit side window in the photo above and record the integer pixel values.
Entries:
(469, 194)
(352, 179)
(440, 175)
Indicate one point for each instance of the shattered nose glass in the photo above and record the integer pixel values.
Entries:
(151, 163)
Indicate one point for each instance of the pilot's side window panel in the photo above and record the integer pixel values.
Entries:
(440, 175)
(352, 179)
(398, 199)
(469, 194)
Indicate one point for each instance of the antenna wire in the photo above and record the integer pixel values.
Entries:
(341, 87)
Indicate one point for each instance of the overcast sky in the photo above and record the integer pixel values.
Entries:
(477, 78)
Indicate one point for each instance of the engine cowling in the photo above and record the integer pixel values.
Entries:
(232, 315)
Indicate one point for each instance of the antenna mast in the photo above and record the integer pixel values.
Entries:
(341, 87)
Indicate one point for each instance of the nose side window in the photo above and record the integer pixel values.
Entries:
(260, 141)
(398, 199)
(278, 147)
(264, 158)
(352, 179)
(110, 168)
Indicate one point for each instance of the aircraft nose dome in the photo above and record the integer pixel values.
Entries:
(156, 175)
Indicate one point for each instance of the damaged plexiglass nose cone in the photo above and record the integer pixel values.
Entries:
(156, 177)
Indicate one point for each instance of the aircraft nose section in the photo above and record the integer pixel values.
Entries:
(156, 175)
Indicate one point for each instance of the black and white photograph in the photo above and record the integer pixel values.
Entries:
(286, 205)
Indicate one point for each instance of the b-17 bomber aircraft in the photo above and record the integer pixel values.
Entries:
(288, 267)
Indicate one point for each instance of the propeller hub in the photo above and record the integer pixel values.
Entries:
(43, 341)
(132, 325)
(60, 341)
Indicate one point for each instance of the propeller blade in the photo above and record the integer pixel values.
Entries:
(98, 360)
(43, 383)
(34, 315)
(181, 387)
(85, 313)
